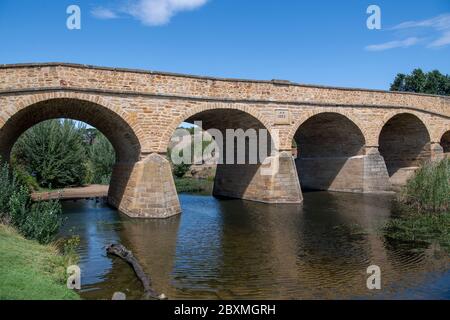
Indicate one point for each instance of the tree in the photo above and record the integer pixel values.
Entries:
(53, 152)
(432, 82)
(102, 158)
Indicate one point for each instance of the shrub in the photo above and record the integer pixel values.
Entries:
(429, 189)
(37, 221)
(42, 222)
(8, 184)
(26, 179)
(102, 158)
(179, 170)
(18, 207)
(420, 228)
(54, 152)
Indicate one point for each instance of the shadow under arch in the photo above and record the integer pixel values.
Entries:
(249, 137)
(122, 137)
(233, 180)
(404, 142)
(330, 149)
(445, 142)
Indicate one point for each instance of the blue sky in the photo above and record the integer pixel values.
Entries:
(316, 42)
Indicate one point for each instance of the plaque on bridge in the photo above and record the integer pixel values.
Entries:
(282, 116)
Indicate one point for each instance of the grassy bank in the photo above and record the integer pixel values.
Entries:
(429, 189)
(421, 228)
(31, 271)
(422, 208)
(191, 185)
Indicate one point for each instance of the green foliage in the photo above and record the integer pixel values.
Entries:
(421, 228)
(43, 221)
(53, 152)
(61, 153)
(19, 204)
(190, 185)
(429, 189)
(8, 185)
(424, 207)
(69, 250)
(179, 170)
(102, 158)
(25, 178)
(38, 221)
(432, 82)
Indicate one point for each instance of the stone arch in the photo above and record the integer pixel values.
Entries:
(445, 142)
(121, 130)
(330, 153)
(245, 177)
(94, 110)
(305, 116)
(389, 115)
(185, 116)
(404, 142)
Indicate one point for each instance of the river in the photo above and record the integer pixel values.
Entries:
(234, 249)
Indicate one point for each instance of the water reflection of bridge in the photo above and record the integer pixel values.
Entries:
(235, 249)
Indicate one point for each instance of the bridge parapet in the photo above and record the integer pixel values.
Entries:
(139, 82)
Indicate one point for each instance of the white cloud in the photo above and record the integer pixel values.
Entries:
(440, 23)
(159, 12)
(394, 44)
(444, 40)
(436, 29)
(104, 13)
(150, 12)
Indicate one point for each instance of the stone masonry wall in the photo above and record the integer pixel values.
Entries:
(139, 111)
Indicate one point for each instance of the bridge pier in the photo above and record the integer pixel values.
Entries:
(437, 151)
(144, 189)
(375, 173)
(365, 173)
(276, 181)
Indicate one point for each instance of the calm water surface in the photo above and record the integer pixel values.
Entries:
(221, 249)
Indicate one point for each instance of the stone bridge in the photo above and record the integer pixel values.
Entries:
(350, 140)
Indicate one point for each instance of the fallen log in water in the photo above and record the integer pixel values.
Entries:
(122, 252)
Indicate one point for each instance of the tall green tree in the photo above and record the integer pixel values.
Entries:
(102, 158)
(53, 152)
(418, 81)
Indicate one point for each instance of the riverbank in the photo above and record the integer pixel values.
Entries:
(183, 185)
(30, 271)
(91, 191)
(195, 186)
(423, 208)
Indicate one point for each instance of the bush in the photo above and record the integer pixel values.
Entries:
(420, 228)
(26, 179)
(42, 222)
(18, 208)
(37, 221)
(8, 184)
(179, 170)
(190, 185)
(429, 189)
(102, 158)
(53, 152)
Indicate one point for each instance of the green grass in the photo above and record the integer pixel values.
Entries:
(421, 228)
(30, 271)
(423, 208)
(429, 189)
(190, 185)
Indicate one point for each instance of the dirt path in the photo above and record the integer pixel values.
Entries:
(92, 191)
